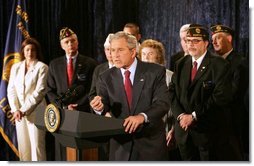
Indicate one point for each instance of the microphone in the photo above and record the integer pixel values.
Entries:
(73, 95)
(70, 96)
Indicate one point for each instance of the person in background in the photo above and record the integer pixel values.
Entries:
(102, 67)
(180, 54)
(67, 72)
(135, 91)
(133, 29)
(26, 94)
(103, 150)
(222, 40)
(154, 52)
(201, 91)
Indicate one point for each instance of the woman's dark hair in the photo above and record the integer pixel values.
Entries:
(36, 45)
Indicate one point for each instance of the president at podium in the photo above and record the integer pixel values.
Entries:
(136, 92)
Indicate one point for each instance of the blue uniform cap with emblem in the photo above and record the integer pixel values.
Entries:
(196, 30)
(65, 32)
(221, 28)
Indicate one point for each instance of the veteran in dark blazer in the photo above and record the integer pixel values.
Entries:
(141, 99)
(102, 67)
(83, 68)
(222, 37)
(200, 92)
(68, 73)
(57, 80)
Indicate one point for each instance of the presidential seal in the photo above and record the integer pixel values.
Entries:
(52, 118)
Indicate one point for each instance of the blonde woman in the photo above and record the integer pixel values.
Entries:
(153, 51)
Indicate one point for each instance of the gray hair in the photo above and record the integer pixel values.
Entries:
(131, 40)
(107, 44)
(184, 28)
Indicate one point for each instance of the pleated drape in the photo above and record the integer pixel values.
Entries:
(93, 20)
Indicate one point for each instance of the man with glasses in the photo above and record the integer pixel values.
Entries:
(200, 90)
(136, 92)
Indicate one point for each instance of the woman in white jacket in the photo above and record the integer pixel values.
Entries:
(26, 95)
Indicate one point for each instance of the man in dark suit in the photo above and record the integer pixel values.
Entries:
(136, 92)
(102, 150)
(102, 67)
(70, 71)
(200, 91)
(133, 29)
(184, 51)
(222, 37)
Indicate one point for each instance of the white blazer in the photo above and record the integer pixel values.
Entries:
(26, 92)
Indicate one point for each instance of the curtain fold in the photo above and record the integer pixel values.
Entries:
(93, 20)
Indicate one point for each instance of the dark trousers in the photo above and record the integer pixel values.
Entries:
(192, 152)
(60, 152)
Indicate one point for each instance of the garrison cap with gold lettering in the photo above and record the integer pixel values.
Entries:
(65, 32)
(196, 30)
(221, 28)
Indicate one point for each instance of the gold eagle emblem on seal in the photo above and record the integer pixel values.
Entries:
(52, 118)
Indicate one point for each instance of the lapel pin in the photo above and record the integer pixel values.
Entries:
(203, 68)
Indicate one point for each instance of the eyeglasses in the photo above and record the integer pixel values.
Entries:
(194, 41)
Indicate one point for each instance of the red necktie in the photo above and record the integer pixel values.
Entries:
(69, 71)
(194, 70)
(128, 87)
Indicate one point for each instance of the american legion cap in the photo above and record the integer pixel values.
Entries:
(65, 32)
(221, 28)
(196, 30)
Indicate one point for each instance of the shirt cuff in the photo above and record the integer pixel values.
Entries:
(145, 116)
(194, 115)
(178, 118)
(98, 112)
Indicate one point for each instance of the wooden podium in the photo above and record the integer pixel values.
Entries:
(81, 130)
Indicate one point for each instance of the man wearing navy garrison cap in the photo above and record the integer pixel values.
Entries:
(70, 71)
(200, 89)
(222, 40)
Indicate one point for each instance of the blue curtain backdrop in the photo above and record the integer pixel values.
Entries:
(158, 19)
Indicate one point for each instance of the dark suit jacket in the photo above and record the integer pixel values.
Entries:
(97, 71)
(239, 78)
(57, 79)
(175, 58)
(240, 83)
(207, 95)
(150, 95)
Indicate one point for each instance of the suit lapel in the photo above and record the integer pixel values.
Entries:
(22, 75)
(202, 69)
(186, 72)
(117, 79)
(105, 66)
(77, 65)
(63, 66)
(138, 84)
